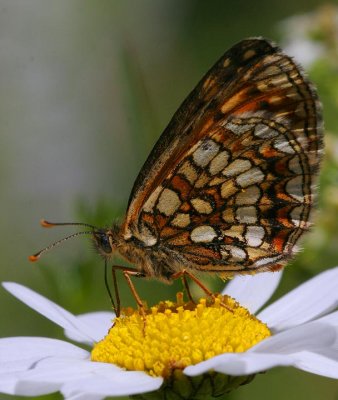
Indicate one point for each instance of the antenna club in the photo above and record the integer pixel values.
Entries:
(46, 224)
(33, 258)
(37, 255)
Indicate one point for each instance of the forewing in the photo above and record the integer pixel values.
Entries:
(229, 185)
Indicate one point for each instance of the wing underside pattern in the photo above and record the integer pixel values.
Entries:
(230, 184)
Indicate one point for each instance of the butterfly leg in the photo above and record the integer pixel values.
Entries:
(117, 293)
(133, 271)
(187, 288)
(185, 273)
(126, 270)
(115, 308)
(127, 273)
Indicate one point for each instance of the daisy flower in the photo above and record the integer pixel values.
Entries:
(190, 349)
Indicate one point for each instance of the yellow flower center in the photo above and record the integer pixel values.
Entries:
(171, 336)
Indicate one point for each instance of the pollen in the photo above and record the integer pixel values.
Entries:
(171, 336)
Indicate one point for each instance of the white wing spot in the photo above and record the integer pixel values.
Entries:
(203, 234)
(283, 145)
(236, 167)
(254, 235)
(201, 206)
(254, 175)
(181, 220)
(219, 162)
(265, 261)
(237, 253)
(246, 215)
(248, 195)
(205, 152)
(168, 202)
(265, 132)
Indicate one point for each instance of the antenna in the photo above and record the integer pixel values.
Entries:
(37, 255)
(48, 224)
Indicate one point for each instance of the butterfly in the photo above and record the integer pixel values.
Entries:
(230, 184)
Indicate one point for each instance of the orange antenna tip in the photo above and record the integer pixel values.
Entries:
(46, 224)
(37, 255)
(33, 258)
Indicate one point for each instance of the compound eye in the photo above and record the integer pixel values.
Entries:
(105, 244)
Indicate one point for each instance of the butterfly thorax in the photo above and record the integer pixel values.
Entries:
(149, 261)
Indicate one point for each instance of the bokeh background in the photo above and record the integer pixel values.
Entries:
(86, 87)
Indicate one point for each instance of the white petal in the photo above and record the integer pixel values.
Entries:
(73, 377)
(50, 365)
(253, 291)
(330, 318)
(7, 383)
(240, 363)
(49, 375)
(329, 353)
(102, 321)
(308, 337)
(85, 396)
(53, 312)
(248, 363)
(317, 364)
(313, 298)
(19, 355)
(123, 384)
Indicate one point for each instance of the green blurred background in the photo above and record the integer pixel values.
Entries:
(86, 88)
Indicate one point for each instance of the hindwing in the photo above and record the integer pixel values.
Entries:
(229, 186)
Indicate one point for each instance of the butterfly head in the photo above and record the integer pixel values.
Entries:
(105, 240)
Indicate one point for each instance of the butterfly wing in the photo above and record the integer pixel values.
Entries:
(229, 185)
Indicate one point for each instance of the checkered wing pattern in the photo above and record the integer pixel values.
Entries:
(229, 186)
